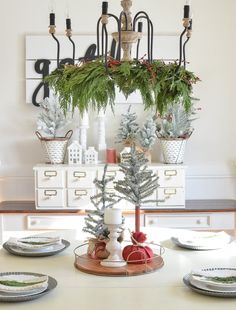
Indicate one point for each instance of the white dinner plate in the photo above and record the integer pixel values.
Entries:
(46, 251)
(52, 283)
(215, 279)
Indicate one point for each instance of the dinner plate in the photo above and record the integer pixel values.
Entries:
(51, 250)
(187, 282)
(214, 279)
(52, 283)
(176, 241)
(23, 293)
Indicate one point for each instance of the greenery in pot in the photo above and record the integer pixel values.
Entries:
(175, 123)
(90, 83)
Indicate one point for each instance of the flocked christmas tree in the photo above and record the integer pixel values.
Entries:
(128, 131)
(138, 184)
(51, 119)
(94, 220)
(147, 135)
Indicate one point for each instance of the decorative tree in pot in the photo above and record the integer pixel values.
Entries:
(173, 130)
(138, 185)
(50, 123)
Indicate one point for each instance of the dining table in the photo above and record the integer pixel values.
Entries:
(162, 289)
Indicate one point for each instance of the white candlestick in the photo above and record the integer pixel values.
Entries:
(112, 216)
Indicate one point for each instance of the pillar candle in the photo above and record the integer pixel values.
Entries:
(112, 216)
(104, 8)
(68, 24)
(52, 19)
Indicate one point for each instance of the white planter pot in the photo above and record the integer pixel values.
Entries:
(55, 148)
(173, 150)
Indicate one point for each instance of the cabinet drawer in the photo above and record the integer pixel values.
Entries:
(171, 177)
(178, 221)
(35, 222)
(171, 196)
(80, 177)
(111, 172)
(50, 178)
(80, 198)
(50, 198)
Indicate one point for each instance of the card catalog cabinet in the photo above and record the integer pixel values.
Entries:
(71, 186)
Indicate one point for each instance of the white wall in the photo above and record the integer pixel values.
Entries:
(211, 150)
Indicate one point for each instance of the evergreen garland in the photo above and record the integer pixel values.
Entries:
(91, 84)
(94, 220)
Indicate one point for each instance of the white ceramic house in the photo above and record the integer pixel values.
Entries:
(91, 156)
(74, 153)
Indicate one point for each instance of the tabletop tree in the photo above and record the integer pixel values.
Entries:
(94, 220)
(138, 184)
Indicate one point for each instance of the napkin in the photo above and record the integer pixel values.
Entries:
(34, 242)
(205, 239)
(22, 282)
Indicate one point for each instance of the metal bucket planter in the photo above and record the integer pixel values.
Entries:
(173, 150)
(55, 148)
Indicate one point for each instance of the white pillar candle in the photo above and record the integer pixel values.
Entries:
(112, 216)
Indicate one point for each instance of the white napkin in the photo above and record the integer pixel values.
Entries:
(205, 239)
(34, 242)
(22, 282)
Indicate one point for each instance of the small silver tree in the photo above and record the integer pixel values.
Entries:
(138, 184)
(51, 118)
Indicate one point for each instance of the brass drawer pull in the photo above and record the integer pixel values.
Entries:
(50, 174)
(170, 191)
(50, 193)
(79, 192)
(111, 173)
(170, 173)
(79, 174)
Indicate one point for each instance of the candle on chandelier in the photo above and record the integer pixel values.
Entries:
(140, 27)
(112, 216)
(104, 8)
(52, 19)
(68, 23)
(187, 9)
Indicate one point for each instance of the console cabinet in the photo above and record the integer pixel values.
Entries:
(71, 186)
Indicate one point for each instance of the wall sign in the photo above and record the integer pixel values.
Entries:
(41, 59)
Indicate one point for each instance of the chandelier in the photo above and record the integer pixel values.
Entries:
(129, 32)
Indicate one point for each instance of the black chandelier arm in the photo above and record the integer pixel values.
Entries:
(104, 34)
(184, 51)
(149, 32)
(119, 31)
(73, 47)
(126, 19)
(137, 49)
(98, 41)
(58, 49)
(181, 46)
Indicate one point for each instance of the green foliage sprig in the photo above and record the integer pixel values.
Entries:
(91, 84)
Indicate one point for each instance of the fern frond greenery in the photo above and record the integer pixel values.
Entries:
(91, 84)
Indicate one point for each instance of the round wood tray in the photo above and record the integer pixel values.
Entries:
(92, 266)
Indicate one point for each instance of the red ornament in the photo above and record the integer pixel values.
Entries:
(136, 254)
